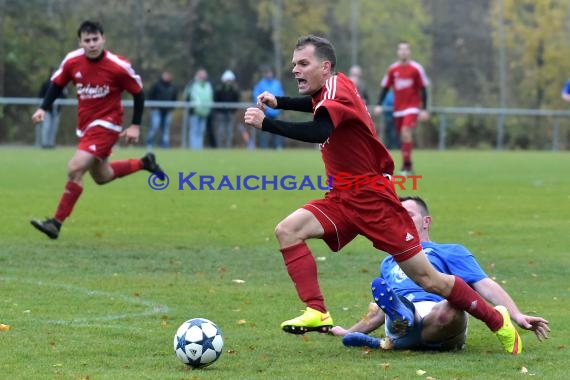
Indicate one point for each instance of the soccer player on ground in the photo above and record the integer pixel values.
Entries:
(409, 81)
(436, 324)
(349, 145)
(100, 77)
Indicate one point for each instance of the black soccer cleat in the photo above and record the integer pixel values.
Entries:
(149, 164)
(50, 227)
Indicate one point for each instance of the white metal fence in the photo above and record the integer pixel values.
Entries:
(550, 119)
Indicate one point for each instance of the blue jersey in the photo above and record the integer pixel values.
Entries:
(452, 259)
(566, 89)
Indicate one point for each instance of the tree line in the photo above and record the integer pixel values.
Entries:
(459, 42)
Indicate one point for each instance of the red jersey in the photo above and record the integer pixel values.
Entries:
(99, 84)
(353, 147)
(407, 80)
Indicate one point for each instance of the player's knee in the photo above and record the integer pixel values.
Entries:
(288, 233)
(100, 180)
(75, 172)
(283, 232)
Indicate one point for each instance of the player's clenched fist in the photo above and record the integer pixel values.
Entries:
(254, 117)
(131, 134)
(38, 116)
(266, 99)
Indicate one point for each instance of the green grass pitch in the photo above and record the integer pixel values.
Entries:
(131, 264)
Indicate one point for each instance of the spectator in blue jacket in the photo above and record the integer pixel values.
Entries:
(271, 84)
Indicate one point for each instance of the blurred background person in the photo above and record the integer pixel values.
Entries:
(355, 74)
(161, 117)
(566, 91)
(268, 83)
(226, 92)
(199, 91)
(390, 135)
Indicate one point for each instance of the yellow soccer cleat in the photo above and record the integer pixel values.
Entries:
(507, 334)
(310, 320)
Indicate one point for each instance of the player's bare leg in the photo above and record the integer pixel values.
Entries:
(406, 144)
(445, 325)
(79, 164)
(104, 171)
(302, 268)
(461, 296)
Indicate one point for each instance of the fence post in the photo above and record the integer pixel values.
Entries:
(442, 131)
(556, 134)
(184, 127)
(500, 131)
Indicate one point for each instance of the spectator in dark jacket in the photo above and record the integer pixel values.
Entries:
(227, 92)
(161, 117)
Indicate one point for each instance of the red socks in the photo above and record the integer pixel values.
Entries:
(465, 298)
(407, 156)
(126, 167)
(68, 199)
(302, 269)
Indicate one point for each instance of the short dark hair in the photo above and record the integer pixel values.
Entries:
(90, 27)
(324, 49)
(419, 201)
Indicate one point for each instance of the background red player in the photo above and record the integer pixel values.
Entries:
(100, 78)
(409, 82)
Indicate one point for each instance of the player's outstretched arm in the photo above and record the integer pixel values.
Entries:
(299, 103)
(53, 92)
(494, 293)
(373, 319)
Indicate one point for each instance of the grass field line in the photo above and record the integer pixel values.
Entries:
(151, 307)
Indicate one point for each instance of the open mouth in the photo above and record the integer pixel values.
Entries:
(301, 81)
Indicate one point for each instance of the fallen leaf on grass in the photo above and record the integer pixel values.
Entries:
(524, 370)
(238, 281)
(241, 322)
(385, 366)
(420, 372)
(4, 327)
(321, 258)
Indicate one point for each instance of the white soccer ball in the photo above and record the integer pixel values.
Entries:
(198, 342)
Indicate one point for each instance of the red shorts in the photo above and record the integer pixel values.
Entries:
(406, 121)
(377, 215)
(98, 141)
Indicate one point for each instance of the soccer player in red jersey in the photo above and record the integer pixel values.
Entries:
(409, 81)
(349, 145)
(100, 77)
